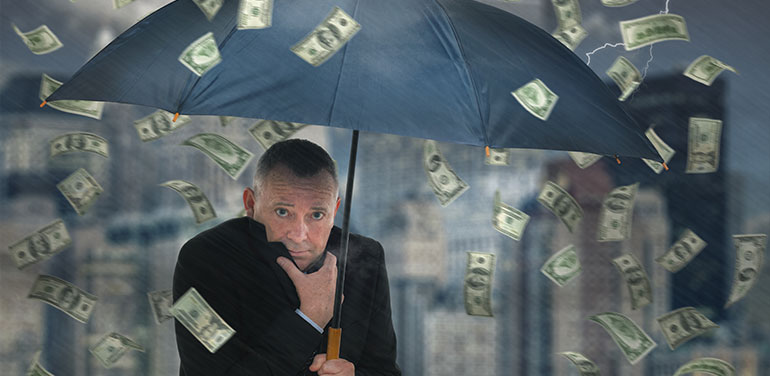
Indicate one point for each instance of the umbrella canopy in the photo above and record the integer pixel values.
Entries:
(433, 69)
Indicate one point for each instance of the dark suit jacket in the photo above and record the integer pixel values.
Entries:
(233, 267)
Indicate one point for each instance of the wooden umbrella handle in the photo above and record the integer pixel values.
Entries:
(333, 345)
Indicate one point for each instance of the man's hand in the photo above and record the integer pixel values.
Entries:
(338, 367)
(315, 290)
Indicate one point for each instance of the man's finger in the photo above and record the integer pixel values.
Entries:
(336, 366)
(289, 267)
(318, 361)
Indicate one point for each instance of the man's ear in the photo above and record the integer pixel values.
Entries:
(337, 207)
(248, 202)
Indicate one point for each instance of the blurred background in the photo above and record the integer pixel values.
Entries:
(127, 243)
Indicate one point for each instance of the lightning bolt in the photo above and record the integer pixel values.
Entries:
(614, 45)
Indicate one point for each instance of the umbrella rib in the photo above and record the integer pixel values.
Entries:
(467, 71)
(342, 66)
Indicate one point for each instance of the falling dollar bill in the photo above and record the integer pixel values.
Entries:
(110, 348)
(117, 4)
(562, 266)
(682, 325)
(536, 98)
(617, 210)
(40, 41)
(201, 55)
(636, 280)
(446, 185)
(81, 190)
(583, 364)
(63, 295)
(268, 132)
(665, 151)
(85, 108)
(617, 3)
(160, 302)
(192, 311)
(79, 141)
(703, 145)
(35, 369)
(631, 339)
(570, 37)
(567, 13)
(255, 14)
(749, 253)
(584, 160)
(198, 201)
(713, 366)
(625, 75)
(562, 204)
(682, 252)
(645, 31)
(40, 245)
(231, 157)
(477, 290)
(498, 157)
(159, 124)
(327, 38)
(225, 120)
(507, 219)
(210, 8)
(705, 69)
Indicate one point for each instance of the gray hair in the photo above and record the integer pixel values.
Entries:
(302, 157)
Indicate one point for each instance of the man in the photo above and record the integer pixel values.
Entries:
(271, 276)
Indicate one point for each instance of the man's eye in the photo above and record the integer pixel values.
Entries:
(281, 212)
(318, 215)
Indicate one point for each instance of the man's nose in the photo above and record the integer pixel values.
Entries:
(298, 231)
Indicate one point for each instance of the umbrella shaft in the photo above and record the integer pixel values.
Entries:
(343, 259)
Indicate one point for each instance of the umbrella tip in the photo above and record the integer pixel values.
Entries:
(617, 159)
(665, 166)
(43, 104)
(486, 149)
(176, 116)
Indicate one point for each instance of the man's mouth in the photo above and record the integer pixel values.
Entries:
(297, 253)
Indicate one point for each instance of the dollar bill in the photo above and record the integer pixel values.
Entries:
(705, 69)
(562, 204)
(567, 13)
(749, 253)
(446, 185)
(713, 366)
(201, 55)
(79, 141)
(81, 190)
(199, 203)
(41, 244)
(617, 3)
(703, 145)
(192, 311)
(110, 348)
(584, 160)
(571, 36)
(63, 295)
(616, 214)
(498, 157)
(327, 38)
(631, 339)
(636, 280)
(225, 120)
(645, 31)
(562, 266)
(210, 8)
(536, 98)
(477, 289)
(159, 124)
(117, 4)
(665, 151)
(231, 157)
(268, 132)
(85, 108)
(35, 369)
(583, 364)
(40, 41)
(160, 302)
(625, 75)
(255, 14)
(682, 252)
(682, 325)
(507, 219)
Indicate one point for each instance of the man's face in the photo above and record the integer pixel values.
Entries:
(298, 212)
